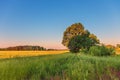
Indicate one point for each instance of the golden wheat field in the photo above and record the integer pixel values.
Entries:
(12, 54)
(117, 50)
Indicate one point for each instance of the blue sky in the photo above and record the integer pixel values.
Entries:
(42, 22)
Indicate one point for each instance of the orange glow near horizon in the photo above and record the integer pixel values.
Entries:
(110, 41)
(50, 44)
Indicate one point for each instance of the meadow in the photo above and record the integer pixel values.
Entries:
(65, 66)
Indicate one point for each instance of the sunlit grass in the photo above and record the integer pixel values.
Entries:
(12, 54)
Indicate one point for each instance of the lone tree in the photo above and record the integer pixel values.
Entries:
(76, 37)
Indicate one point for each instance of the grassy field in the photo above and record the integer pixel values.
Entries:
(66, 66)
(12, 54)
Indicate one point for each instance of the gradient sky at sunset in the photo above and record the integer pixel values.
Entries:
(42, 22)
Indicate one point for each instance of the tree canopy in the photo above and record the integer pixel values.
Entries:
(73, 30)
(76, 37)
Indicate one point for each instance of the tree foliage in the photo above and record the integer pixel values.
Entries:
(76, 37)
(75, 44)
(80, 42)
(73, 30)
(77, 29)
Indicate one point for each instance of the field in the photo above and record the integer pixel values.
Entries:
(65, 66)
(117, 50)
(12, 54)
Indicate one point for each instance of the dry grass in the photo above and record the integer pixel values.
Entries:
(12, 54)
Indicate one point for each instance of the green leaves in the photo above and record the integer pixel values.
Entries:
(80, 42)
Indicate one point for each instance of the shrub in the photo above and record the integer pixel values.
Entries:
(101, 51)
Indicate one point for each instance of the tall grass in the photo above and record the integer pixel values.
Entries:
(61, 67)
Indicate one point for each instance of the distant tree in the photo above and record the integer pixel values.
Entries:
(110, 46)
(24, 48)
(77, 29)
(118, 45)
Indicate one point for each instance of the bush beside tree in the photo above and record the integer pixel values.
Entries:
(101, 51)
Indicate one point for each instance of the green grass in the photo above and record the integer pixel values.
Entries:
(61, 67)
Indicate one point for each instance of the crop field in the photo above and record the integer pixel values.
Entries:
(117, 50)
(12, 54)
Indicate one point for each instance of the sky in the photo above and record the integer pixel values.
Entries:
(42, 22)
